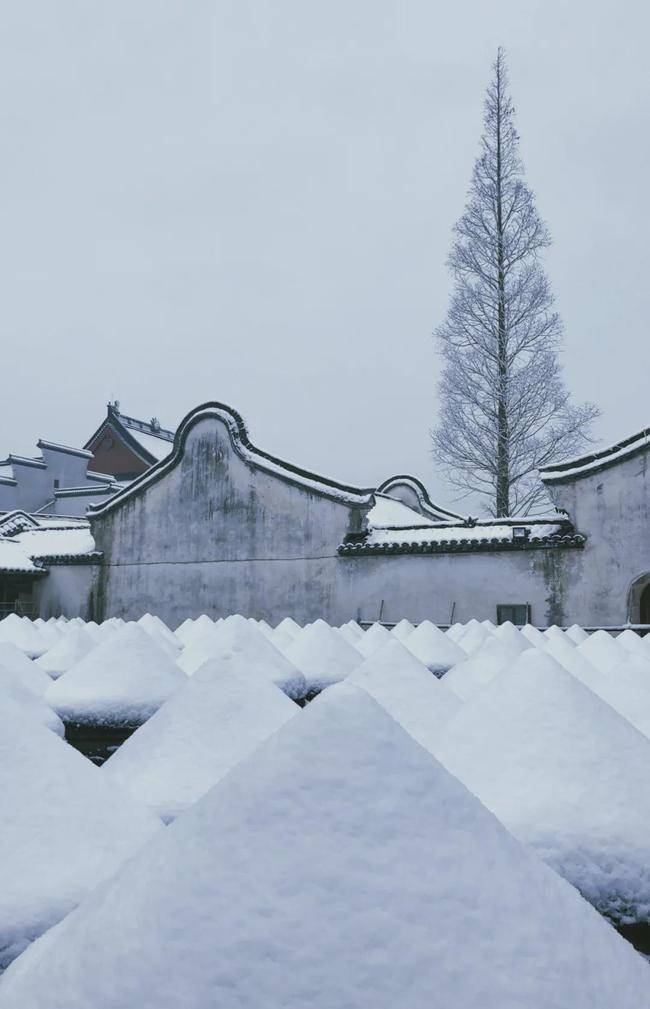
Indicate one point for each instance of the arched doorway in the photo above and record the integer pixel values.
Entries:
(638, 606)
(644, 606)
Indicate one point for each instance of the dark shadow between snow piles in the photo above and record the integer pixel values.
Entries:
(638, 934)
(97, 742)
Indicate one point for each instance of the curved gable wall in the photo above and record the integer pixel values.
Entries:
(220, 520)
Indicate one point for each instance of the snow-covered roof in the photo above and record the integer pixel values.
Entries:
(30, 542)
(148, 439)
(586, 465)
(390, 532)
(246, 450)
(13, 558)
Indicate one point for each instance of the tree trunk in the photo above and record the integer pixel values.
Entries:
(503, 439)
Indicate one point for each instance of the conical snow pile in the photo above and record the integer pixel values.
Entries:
(512, 638)
(632, 642)
(69, 650)
(339, 865)
(577, 634)
(476, 671)
(603, 651)
(22, 633)
(627, 689)
(244, 641)
(65, 829)
(575, 662)
(120, 682)
(534, 635)
(403, 629)
(18, 703)
(26, 670)
(373, 639)
(566, 774)
(222, 714)
(323, 656)
(436, 650)
(405, 688)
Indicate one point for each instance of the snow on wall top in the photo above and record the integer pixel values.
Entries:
(388, 532)
(586, 465)
(26, 541)
(247, 451)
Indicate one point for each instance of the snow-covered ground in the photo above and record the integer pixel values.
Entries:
(330, 853)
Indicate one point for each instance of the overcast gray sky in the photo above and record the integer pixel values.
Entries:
(253, 202)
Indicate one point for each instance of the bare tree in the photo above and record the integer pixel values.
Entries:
(505, 411)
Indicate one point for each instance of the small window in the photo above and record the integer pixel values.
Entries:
(517, 613)
(520, 533)
(56, 483)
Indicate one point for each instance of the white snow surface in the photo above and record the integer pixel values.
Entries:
(244, 641)
(408, 691)
(120, 682)
(65, 829)
(70, 649)
(27, 671)
(219, 717)
(322, 655)
(338, 866)
(24, 635)
(603, 651)
(18, 703)
(402, 630)
(566, 774)
(627, 689)
(376, 636)
(476, 671)
(434, 648)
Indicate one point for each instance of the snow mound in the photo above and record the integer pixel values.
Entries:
(631, 642)
(322, 655)
(18, 703)
(477, 670)
(159, 629)
(473, 637)
(555, 633)
(534, 635)
(566, 774)
(575, 663)
(436, 650)
(627, 689)
(576, 633)
(290, 627)
(603, 651)
(406, 689)
(376, 636)
(244, 639)
(120, 682)
(402, 630)
(222, 714)
(65, 829)
(24, 635)
(27, 671)
(511, 637)
(339, 865)
(66, 653)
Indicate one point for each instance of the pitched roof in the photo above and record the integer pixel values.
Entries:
(147, 439)
(28, 543)
(586, 465)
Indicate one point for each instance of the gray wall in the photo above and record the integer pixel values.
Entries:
(612, 509)
(67, 590)
(217, 534)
